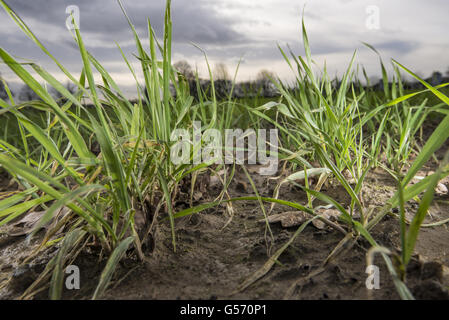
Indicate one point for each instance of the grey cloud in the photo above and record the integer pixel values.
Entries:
(217, 26)
(196, 20)
(102, 23)
(398, 46)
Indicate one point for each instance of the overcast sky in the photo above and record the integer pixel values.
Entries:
(414, 32)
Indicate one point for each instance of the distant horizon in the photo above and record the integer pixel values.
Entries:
(16, 87)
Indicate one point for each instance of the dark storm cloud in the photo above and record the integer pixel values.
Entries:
(102, 23)
(194, 20)
(231, 29)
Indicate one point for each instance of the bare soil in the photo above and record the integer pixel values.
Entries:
(216, 252)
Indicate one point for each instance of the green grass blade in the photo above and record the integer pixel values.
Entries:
(111, 265)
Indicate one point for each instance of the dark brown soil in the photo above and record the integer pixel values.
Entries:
(215, 253)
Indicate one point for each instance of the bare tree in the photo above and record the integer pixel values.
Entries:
(184, 68)
(3, 93)
(265, 75)
(221, 72)
(436, 78)
(58, 96)
(27, 94)
(373, 80)
(264, 83)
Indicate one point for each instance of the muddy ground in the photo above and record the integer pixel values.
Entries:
(217, 252)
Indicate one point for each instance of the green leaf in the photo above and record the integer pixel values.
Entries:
(111, 265)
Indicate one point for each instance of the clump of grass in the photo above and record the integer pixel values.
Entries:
(344, 128)
(104, 191)
(333, 124)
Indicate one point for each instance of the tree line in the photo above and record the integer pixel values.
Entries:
(224, 86)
